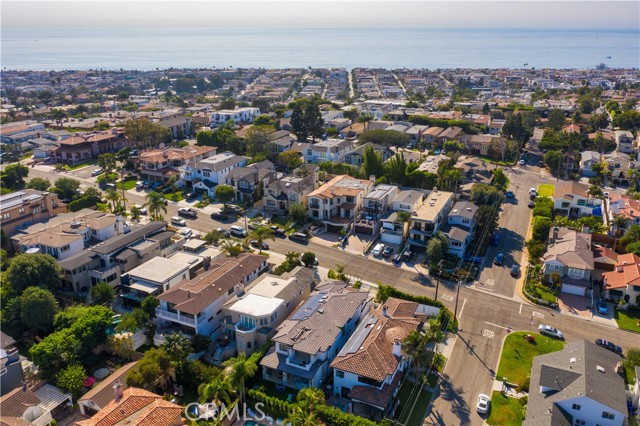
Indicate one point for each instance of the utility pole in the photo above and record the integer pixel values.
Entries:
(455, 312)
(438, 277)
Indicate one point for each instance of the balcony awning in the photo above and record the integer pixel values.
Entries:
(145, 288)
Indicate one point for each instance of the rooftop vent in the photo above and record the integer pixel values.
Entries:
(572, 361)
(600, 369)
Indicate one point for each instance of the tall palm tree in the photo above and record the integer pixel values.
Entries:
(113, 196)
(232, 248)
(260, 234)
(310, 398)
(219, 389)
(240, 368)
(619, 223)
(634, 179)
(177, 346)
(292, 257)
(340, 271)
(366, 119)
(155, 203)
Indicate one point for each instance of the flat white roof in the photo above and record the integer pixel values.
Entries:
(255, 305)
(159, 269)
(270, 286)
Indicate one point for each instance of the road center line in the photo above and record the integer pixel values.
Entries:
(462, 309)
(520, 312)
(496, 325)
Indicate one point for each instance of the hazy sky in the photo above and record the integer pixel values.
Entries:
(302, 13)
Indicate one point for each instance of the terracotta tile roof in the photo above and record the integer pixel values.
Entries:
(102, 394)
(373, 357)
(137, 407)
(627, 272)
(16, 402)
(376, 397)
(185, 154)
(90, 138)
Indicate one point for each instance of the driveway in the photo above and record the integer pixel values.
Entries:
(580, 306)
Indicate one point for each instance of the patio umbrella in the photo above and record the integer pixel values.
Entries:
(89, 381)
(101, 373)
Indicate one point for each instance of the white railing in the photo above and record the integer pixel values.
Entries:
(174, 317)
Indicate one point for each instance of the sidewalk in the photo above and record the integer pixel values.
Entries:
(499, 386)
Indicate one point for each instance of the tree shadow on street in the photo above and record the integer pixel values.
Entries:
(458, 405)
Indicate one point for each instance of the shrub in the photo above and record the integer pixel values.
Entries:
(541, 228)
(82, 203)
(543, 207)
(386, 291)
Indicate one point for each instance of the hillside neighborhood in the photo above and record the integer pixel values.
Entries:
(320, 246)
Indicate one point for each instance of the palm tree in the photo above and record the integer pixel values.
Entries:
(366, 119)
(292, 257)
(310, 398)
(232, 248)
(260, 234)
(620, 223)
(634, 179)
(340, 271)
(177, 346)
(113, 196)
(238, 369)
(217, 390)
(299, 417)
(58, 115)
(155, 203)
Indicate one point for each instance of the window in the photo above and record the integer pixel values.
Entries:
(243, 184)
(579, 422)
(465, 221)
(456, 244)
(271, 203)
(206, 173)
(551, 267)
(21, 210)
(576, 273)
(248, 345)
(6, 215)
(609, 416)
(340, 374)
(230, 292)
(565, 205)
(576, 407)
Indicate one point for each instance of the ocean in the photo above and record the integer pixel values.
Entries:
(150, 48)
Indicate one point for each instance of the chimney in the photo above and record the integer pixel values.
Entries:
(397, 347)
(556, 231)
(384, 311)
(117, 390)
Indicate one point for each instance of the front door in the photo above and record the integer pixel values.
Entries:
(345, 392)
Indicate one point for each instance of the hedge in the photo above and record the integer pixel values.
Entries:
(82, 203)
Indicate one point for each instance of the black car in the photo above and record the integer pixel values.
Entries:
(254, 243)
(299, 237)
(190, 195)
(388, 251)
(279, 232)
(540, 163)
(219, 217)
(531, 204)
(532, 196)
(609, 345)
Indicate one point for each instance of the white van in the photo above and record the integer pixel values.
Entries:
(377, 250)
(237, 231)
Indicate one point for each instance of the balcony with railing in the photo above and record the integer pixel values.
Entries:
(177, 317)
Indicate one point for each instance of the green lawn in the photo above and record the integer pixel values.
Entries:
(504, 411)
(546, 190)
(517, 355)
(415, 416)
(628, 319)
(175, 196)
(80, 165)
(128, 184)
(544, 293)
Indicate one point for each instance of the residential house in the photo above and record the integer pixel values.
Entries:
(281, 193)
(369, 367)
(194, 306)
(408, 200)
(250, 181)
(355, 157)
(23, 406)
(577, 385)
(353, 131)
(161, 164)
(620, 165)
(374, 206)
(463, 214)
(11, 373)
(179, 126)
(415, 133)
(108, 260)
(431, 163)
(625, 206)
(569, 260)
(587, 160)
(23, 208)
(624, 281)
(430, 136)
(459, 240)
(11, 131)
(481, 144)
(495, 127)
(239, 115)
(392, 230)
(204, 175)
(604, 259)
(282, 141)
(308, 341)
(572, 198)
(85, 146)
(449, 134)
(101, 394)
(328, 150)
(625, 141)
(251, 320)
(430, 218)
(136, 407)
(337, 202)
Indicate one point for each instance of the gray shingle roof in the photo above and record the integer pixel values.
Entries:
(121, 241)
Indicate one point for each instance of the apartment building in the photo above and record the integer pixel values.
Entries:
(328, 150)
(23, 208)
(238, 115)
(85, 146)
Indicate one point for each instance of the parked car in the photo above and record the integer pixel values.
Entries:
(407, 255)
(515, 270)
(540, 163)
(547, 330)
(279, 232)
(532, 196)
(388, 251)
(531, 204)
(482, 406)
(533, 191)
(522, 162)
(510, 194)
(219, 216)
(254, 243)
(186, 232)
(139, 185)
(495, 239)
(175, 220)
(190, 196)
(238, 231)
(143, 210)
(609, 345)
(97, 172)
(603, 307)
(299, 237)
(223, 232)
(188, 212)
(499, 259)
(397, 258)
(377, 250)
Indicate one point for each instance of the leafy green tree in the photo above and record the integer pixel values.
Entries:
(298, 212)
(397, 169)
(262, 120)
(500, 179)
(38, 308)
(177, 346)
(258, 137)
(633, 248)
(154, 369)
(541, 228)
(384, 137)
(67, 188)
(155, 204)
(58, 116)
(437, 247)
(146, 134)
(239, 369)
(535, 248)
(121, 345)
(313, 119)
(556, 119)
(213, 237)
(225, 193)
(628, 120)
(71, 379)
(133, 321)
(298, 124)
(219, 389)
(40, 184)
(107, 162)
(260, 234)
(290, 159)
(309, 259)
(372, 163)
(55, 351)
(599, 121)
(28, 270)
(102, 294)
(149, 305)
(484, 194)
(631, 235)
(14, 175)
(515, 128)
(553, 160)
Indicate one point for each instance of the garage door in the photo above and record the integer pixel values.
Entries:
(573, 289)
